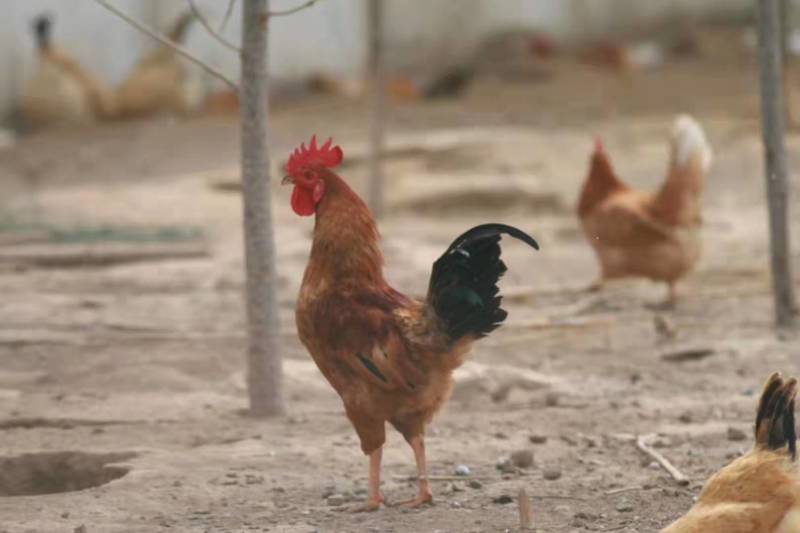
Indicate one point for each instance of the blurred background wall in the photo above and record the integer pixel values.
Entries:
(330, 37)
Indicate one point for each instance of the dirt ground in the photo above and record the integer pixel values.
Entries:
(139, 364)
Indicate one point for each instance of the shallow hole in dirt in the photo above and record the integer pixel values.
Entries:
(53, 472)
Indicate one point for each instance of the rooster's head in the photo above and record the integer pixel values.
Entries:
(306, 169)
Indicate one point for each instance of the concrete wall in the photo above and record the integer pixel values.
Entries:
(328, 37)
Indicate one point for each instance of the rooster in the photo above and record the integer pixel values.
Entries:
(652, 235)
(388, 356)
(759, 492)
(61, 91)
(159, 82)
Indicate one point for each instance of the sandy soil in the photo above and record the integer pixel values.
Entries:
(144, 360)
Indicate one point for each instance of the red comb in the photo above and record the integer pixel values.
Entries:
(324, 156)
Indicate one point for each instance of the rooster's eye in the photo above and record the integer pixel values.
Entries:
(309, 175)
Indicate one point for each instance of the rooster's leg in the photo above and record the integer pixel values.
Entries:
(375, 497)
(425, 495)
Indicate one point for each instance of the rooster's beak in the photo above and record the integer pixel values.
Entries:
(287, 179)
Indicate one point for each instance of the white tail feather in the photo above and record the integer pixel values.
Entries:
(688, 139)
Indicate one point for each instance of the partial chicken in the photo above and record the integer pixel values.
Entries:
(159, 83)
(624, 59)
(759, 492)
(643, 234)
(61, 91)
(390, 357)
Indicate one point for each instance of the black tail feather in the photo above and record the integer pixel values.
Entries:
(775, 429)
(42, 26)
(491, 230)
(463, 288)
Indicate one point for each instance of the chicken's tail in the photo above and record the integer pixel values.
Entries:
(463, 290)
(42, 31)
(775, 428)
(689, 145)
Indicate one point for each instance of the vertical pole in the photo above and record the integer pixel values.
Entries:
(784, 17)
(772, 113)
(264, 366)
(377, 105)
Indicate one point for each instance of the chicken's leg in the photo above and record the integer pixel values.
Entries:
(425, 495)
(673, 295)
(375, 497)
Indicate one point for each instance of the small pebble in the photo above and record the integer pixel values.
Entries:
(522, 458)
(80, 529)
(736, 434)
(504, 465)
(335, 500)
(475, 484)
(685, 418)
(503, 499)
(624, 507)
(462, 470)
(538, 439)
(551, 474)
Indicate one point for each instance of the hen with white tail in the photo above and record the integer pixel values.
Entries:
(654, 235)
(689, 142)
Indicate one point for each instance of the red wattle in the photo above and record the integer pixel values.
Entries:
(303, 201)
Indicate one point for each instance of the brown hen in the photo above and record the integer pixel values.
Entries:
(643, 234)
(61, 91)
(159, 82)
